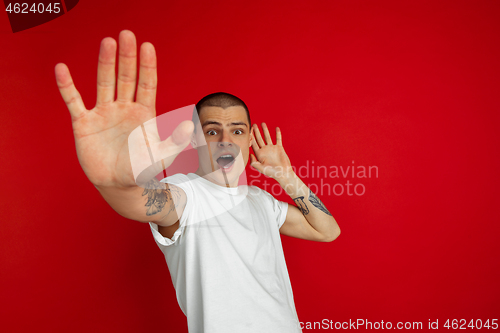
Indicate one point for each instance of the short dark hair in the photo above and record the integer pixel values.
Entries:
(222, 100)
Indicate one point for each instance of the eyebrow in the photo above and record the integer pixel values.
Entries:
(212, 122)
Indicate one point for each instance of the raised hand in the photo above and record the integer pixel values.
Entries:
(270, 159)
(101, 134)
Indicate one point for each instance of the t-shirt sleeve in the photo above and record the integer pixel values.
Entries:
(181, 181)
(279, 208)
(282, 208)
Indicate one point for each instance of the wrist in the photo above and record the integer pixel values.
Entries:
(287, 177)
(293, 185)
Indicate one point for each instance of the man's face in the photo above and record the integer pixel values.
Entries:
(227, 134)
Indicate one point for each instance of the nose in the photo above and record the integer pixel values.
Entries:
(225, 140)
(221, 144)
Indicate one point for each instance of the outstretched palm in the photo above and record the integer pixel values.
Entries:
(101, 134)
(270, 159)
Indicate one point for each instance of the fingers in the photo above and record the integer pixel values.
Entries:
(68, 91)
(127, 66)
(106, 80)
(146, 90)
(255, 146)
(267, 135)
(278, 137)
(257, 136)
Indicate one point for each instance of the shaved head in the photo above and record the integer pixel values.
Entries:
(221, 100)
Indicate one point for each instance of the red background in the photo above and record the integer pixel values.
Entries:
(408, 86)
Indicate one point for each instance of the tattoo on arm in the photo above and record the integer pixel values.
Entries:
(159, 194)
(299, 201)
(317, 203)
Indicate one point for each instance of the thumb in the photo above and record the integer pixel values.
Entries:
(149, 156)
(256, 164)
(182, 133)
(175, 143)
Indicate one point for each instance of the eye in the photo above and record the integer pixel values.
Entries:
(211, 132)
(238, 131)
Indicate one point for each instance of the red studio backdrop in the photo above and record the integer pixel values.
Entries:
(405, 89)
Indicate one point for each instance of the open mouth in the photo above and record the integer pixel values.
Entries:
(225, 161)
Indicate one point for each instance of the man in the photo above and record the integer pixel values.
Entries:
(221, 241)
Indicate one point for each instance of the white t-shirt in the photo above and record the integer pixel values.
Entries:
(226, 260)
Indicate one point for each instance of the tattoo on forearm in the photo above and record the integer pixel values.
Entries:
(159, 194)
(317, 203)
(299, 201)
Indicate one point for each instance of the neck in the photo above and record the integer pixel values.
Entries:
(226, 183)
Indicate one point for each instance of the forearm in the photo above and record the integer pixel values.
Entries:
(311, 206)
(157, 202)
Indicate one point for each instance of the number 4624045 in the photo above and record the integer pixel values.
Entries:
(477, 324)
(24, 8)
